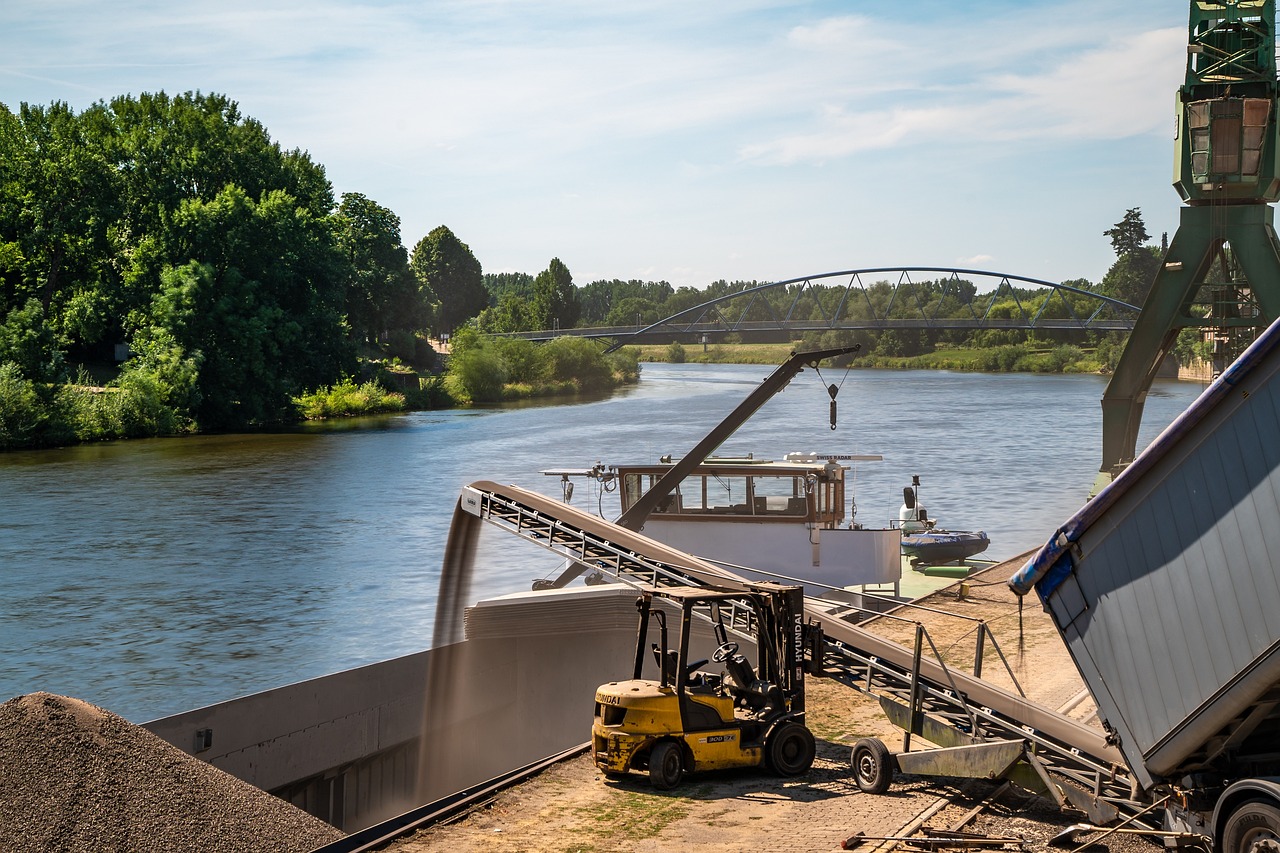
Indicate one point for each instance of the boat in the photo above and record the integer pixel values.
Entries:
(929, 547)
(763, 519)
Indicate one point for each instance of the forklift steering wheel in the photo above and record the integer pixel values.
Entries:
(725, 652)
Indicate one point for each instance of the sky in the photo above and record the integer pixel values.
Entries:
(679, 141)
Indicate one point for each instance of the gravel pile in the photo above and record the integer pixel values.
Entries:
(74, 777)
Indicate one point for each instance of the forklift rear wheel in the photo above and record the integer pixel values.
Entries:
(666, 764)
(791, 749)
(872, 765)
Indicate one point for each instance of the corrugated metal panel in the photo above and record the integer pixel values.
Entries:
(1172, 607)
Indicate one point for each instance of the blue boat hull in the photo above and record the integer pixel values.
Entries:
(935, 547)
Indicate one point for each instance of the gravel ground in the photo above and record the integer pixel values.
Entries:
(74, 777)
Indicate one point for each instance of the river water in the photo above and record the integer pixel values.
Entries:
(153, 577)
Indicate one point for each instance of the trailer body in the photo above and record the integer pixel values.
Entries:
(1166, 589)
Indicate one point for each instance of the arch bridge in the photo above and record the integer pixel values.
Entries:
(878, 298)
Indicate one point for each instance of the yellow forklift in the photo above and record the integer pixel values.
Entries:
(688, 719)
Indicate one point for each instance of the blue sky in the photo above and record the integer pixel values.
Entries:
(675, 140)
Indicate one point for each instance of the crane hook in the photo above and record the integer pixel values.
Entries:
(833, 390)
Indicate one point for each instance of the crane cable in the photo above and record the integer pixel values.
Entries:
(832, 390)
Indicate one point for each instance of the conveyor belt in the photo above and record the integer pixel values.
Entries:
(1076, 754)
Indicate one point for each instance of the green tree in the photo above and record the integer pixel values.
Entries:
(1129, 235)
(628, 309)
(1131, 276)
(555, 299)
(446, 268)
(511, 314)
(58, 195)
(260, 330)
(1134, 271)
(170, 150)
(501, 283)
(382, 293)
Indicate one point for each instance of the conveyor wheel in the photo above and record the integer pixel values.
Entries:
(872, 765)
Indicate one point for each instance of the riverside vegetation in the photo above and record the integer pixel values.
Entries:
(1033, 356)
(166, 268)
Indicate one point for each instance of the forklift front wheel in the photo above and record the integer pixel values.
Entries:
(666, 765)
(791, 749)
(872, 765)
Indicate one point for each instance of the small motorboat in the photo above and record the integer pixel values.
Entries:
(924, 544)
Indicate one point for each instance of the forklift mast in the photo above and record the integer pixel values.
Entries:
(771, 615)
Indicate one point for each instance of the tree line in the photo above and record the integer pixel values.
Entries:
(520, 302)
(166, 266)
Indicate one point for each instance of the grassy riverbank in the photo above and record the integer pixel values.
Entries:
(113, 403)
(1015, 358)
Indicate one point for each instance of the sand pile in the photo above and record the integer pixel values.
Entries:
(74, 777)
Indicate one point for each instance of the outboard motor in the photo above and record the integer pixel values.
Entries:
(913, 517)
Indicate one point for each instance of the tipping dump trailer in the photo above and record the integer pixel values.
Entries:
(1166, 589)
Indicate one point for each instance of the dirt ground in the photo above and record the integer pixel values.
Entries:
(572, 807)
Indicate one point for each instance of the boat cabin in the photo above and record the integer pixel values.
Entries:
(803, 488)
(765, 520)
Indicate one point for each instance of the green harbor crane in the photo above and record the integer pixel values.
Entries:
(1221, 273)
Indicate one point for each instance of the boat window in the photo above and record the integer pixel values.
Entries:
(779, 496)
(631, 490)
(725, 494)
(753, 493)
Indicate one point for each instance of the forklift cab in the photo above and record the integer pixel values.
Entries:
(693, 716)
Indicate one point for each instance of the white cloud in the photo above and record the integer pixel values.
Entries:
(1120, 89)
(626, 136)
(847, 31)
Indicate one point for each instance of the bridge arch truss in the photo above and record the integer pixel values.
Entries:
(855, 299)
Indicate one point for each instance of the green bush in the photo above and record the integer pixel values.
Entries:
(570, 358)
(625, 364)
(23, 413)
(432, 393)
(349, 399)
(675, 352)
(143, 407)
(476, 375)
(522, 359)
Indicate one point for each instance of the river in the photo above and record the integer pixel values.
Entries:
(152, 577)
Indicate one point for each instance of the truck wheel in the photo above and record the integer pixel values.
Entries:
(872, 765)
(1254, 827)
(665, 765)
(791, 749)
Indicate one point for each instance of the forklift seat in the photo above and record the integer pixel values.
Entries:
(668, 663)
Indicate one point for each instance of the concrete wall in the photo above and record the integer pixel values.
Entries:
(522, 688)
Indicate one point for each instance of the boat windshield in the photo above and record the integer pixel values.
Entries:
(759, 494)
